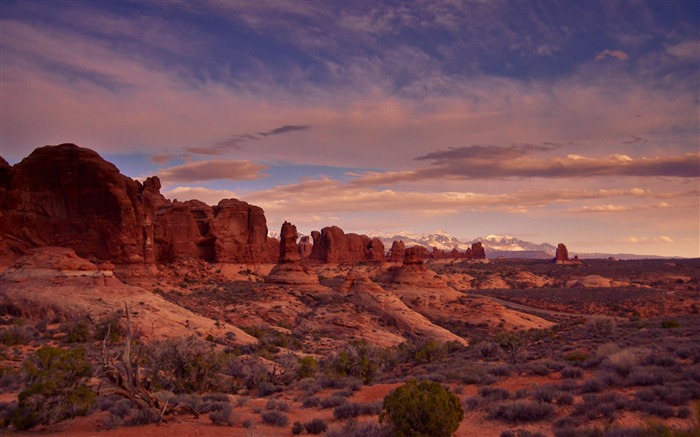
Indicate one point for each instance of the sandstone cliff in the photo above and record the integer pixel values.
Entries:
(69, 196)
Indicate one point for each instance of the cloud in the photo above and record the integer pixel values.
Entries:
(616, 54)
(285, 129)
(212, 170)
(688, 50)
(644, 240)
(620, 208)
(491, 162)
(235, 142)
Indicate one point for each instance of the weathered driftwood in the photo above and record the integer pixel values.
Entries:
(124, 375)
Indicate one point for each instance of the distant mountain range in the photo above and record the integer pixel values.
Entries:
(495, 245)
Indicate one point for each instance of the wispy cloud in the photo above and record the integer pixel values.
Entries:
(487, 162)
(615, 54)
(212, 170)
(236, 141)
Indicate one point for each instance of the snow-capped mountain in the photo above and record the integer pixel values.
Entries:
(440, 239)
(495, 245)
(508, 243)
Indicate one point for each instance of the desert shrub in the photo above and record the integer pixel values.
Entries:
(110, 329)
(297, 428)
(645, 376)
(624, 361)
(7, 411)
(266, 388)
(471, 403)
(571, 372)
(670, 324)
(9, 379)
(77, 331)
(493, 393)
(512, 344)
(487, 349)
(333, 401)
(545, 393)
(215, 397)
(56, 387)
(316, 426)
(16, 335)
(499, 370)
(654, 408)
(350, 410)
(274, 404)
(223, 416)
(358, 359)
(353, 428)
(185, 365)
(539, 369)
(521, 411)
(563, 398)
(576, 356)
(308, 366)
(310, 401)
(429, 351)
(424, 408)
(600, 327)
(275, 418)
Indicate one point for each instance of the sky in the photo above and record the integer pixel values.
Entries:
(552, 121)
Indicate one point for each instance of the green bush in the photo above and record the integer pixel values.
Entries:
(307, 367)
(358, 359)
(422, 409)
(56, 389)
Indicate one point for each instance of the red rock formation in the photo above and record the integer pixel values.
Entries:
(289, 269)
(397, 251)
(562, 255)
(288, 244)
(333, 246)
(69, 196)
(478, 251)
(375, 250)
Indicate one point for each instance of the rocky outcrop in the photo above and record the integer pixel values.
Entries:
(361, 291)
(69, 196)
(477, 251)
(562, 255)
(53, 282)
(412, 273)
(397, 251)
(333, 246)
(289, 269)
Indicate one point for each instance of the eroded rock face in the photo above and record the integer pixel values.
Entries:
(333, 246)
(69, 196)
(289, 269)
(562, 256)
(477, 251)
(396, 253)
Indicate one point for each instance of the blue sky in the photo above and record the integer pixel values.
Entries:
(566, 121)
